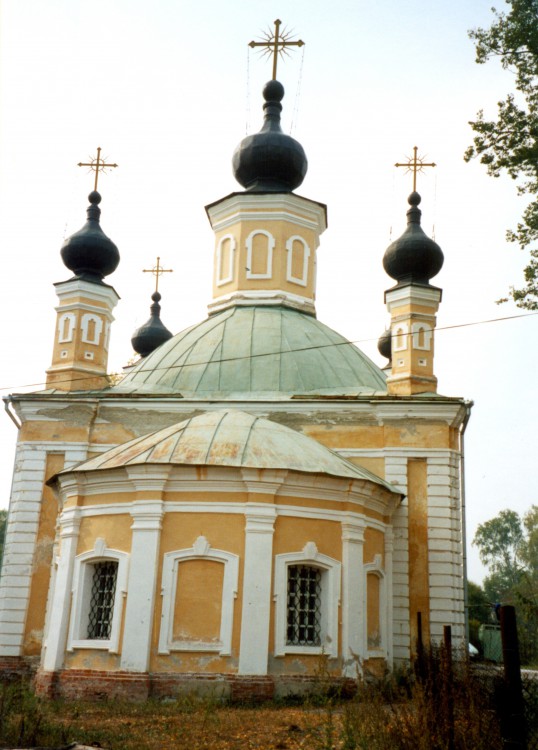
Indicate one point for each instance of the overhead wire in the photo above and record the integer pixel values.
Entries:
(274, 353)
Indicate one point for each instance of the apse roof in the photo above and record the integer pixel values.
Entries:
(231, 438)
(254, 352)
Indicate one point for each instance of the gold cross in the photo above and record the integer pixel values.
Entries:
(415, 165)
(276, 44)
(157, 271)
(96, 165)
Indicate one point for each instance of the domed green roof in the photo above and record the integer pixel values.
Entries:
(230, 438)
(255, 352)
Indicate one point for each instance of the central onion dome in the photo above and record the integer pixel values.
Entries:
(89, 253)
(270, 161)
(414, 258)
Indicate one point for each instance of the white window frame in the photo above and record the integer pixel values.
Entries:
(201, 550)
(401, 329)
(302, 281)
(220, 280)
(84, 327)
(81, 594)
(250, 249)
(330, 600)
(416, 329)
(376, 568)
(72, 318)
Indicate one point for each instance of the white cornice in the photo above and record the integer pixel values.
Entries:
(262, 297)
(413, 294)
(283, 206)
(100, 292)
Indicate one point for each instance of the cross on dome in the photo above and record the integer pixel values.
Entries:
(276, 44)
(157, 271)
(415, 164)
(96, 165)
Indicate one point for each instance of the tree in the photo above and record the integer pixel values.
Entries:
(510, 143)
(508, 545)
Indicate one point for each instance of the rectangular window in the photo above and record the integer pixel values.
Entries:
(304, 606)
(102, 595)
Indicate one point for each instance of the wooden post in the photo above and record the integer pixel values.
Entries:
(513, 726)
(448, 683)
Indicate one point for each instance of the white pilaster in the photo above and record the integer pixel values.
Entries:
(21, 533)
(260, 526)
(353, 614)
(61, 599)
(389, 549)
(147, 523)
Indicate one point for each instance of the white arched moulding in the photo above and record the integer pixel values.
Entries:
(399, 337)
(91, 326)
(259, 255)
(201, 550)
(225, 259)
(297, 246)
(421, 335)
(83, 574)
(376, 621)
(66, 327)
(330, 600)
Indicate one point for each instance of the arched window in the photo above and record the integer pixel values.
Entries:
(399, 337)
(422, 336)
(66, 326)
(260, 245)
(199, 588)
(307, 595)
(297, 261)
(375, 607)
(225, 260)
(91, 326)
(99, 584)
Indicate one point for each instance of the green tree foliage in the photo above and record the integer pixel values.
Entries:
(509, 144)
(508, 545)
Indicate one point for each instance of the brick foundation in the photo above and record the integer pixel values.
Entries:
(14, 668)
(76, 684)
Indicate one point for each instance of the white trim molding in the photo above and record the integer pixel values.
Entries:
(65, 332)
(220, 277)
(301, 280)
(81, 593)
(330, 600)
(375, 568)
(88, 318)
(200, 550)
(422, 330)
(268, 273)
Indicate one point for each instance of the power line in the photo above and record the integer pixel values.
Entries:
(277, 352)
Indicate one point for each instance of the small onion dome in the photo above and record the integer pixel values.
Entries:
(89, 253)
(153, 333)
(414, 257)
(384, 344)
(270, 161)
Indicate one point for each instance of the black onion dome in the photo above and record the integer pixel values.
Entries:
(153, 333)
(270, 161)
(384, 344)
(89, 253)
(414, 257)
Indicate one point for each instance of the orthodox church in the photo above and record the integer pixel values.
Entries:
(255, 496)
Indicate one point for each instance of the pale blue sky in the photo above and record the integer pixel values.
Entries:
(167, 89)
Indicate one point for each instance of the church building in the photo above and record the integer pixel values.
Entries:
(255, 498)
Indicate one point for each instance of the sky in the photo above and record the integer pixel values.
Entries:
(168, 88)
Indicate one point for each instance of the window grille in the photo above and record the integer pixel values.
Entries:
(102, 600)
(304, 606)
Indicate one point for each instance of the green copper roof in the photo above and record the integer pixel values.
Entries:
(255, 352)
(231, 438)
